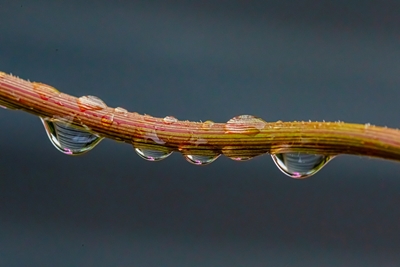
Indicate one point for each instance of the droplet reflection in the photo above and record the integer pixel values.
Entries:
(69, 138)
(300, 165)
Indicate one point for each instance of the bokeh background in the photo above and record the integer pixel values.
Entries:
(200, 60)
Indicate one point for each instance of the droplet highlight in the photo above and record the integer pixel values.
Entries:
(207, 125)
(170, 119)
(245, 124)
(121, 111)
(300, 165)
(45, 91)
(69, 138)
(152, 154)
(240, 158)
(201, 160)
(90, 102)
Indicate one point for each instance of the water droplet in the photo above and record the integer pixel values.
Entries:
(201, 160)
(152, 154)
(69, 138)
(207, 125)
(107, 120)
(170, 120)
(152, 135)
(45, 91)
(300, 165)
(245, 124)
(240, 158)
(121, 111)
(90, 103)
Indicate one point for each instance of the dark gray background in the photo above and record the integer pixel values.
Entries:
(199, 60)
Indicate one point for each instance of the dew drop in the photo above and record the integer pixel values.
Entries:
(240, 158)
(69, 138)
(201, 160)
(45, 91)
(245, 124)
(121, 111)
(90, 103)
(300, 165)
(207, 125)
(152, 154)
(170, 120)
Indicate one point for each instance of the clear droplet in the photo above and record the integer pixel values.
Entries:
(90, 102)
(201, 160)
(121, 111)
(245, 124)
(69, 138)
(240, 158)
(152, 154)
(207, 125)
(300, 165)
(45, 91)
(170, 120)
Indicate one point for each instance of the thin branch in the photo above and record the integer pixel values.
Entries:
(242, 136)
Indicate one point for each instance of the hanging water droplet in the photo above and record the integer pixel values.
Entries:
(170, 120)
(300, 165)
(68, 138)
(201, 160)
(90, 103)
(152, 154)
(240, 158)
(245, 124)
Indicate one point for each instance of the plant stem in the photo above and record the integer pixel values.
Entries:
(242, 136)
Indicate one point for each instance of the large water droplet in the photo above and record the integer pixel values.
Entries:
(152, 154)
(69, 138)
(245, 124)
(201, 160)
(300, 165)
(91, 103)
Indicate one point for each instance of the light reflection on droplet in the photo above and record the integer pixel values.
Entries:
(201, 160)
(121, 111)
(68, 138)
(91, 103)
(300, 165)
(152, 154)
(170, 120)
(245, 124)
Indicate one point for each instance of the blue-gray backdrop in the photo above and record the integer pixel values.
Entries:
(200, 60)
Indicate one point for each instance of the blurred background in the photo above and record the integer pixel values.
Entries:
(200, 60)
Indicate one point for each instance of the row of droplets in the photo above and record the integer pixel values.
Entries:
(72, 139)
